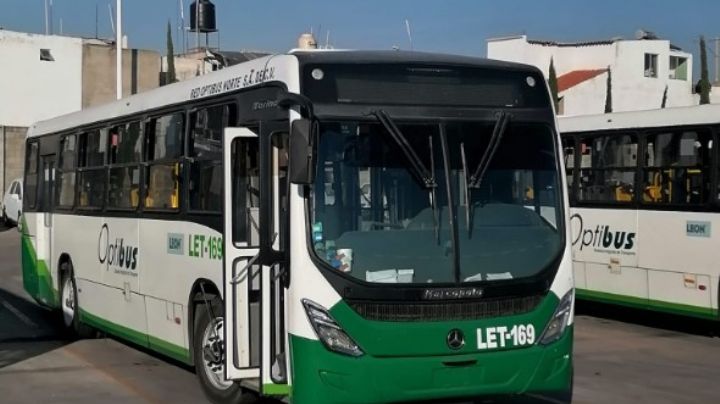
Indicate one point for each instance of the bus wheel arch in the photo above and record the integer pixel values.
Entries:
(195, 299)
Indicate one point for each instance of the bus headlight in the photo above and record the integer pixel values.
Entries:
(560, 320)
(329, 331)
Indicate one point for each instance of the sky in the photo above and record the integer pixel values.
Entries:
(450, 26)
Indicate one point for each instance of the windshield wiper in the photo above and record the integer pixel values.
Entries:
(419, 170)
(498, 132)
(466, 189)
(426, 177)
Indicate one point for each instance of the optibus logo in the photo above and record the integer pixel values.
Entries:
(602, 236)
(118, 254)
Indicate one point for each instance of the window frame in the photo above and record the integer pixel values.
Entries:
(713, 199)
(635, 169)
(59, 171)
(148, 163)
(140, 120)
(232, 105)
(651, 72)
(81, 169)
(34, 142)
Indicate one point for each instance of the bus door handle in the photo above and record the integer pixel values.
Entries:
(245, 272)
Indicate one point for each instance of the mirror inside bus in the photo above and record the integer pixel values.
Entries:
(302, 153)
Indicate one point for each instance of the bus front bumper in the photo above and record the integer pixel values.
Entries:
(323, 377)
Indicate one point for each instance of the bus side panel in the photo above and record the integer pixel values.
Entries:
(680, 251)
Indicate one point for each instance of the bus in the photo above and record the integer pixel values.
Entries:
(318, 226)
(644, 198)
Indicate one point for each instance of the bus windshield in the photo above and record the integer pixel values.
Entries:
(376, 219)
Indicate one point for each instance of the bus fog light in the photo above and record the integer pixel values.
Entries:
(559, 321)
(329, 331)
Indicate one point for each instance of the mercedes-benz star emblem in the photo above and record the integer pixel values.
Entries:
(455, 339)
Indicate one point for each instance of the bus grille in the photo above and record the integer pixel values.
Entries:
(448, 311)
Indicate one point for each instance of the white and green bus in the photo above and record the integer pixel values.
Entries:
(323, 227)
(644, 201)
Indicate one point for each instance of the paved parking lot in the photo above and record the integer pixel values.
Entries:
(621, 356)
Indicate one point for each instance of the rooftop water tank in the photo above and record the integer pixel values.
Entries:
(202, 16)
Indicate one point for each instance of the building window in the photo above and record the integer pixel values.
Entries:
(678, 68)
(651, 65)
(46, 55)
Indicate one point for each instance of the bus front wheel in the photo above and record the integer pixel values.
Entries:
(69, 305)
(209, 353)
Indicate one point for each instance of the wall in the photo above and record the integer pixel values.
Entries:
(12, 154)
(141, 72)
(32, 89)
(631, 90)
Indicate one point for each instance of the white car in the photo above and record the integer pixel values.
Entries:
(12, 203)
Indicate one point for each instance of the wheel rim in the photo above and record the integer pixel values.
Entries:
(68, 302)
(213, 353)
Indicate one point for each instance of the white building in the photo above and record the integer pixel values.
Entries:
(43, 76)
(40, 77)
(641, 70)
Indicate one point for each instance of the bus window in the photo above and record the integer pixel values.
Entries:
(92, 174)
(246, 190)
(568, 145)
(124, 174)
(31, 175)
(205, 147)
(676, 167)
(607, 168)
(65, 196)
(164, 148)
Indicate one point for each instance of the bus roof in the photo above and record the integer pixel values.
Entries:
(693, 115)
(278, 68)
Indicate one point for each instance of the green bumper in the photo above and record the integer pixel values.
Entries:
(323, 377)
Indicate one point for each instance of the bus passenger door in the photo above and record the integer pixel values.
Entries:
(241, 274)
(254, 269)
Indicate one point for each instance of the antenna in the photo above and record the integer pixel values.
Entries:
(47, 22)
(112, 19)
(52, 31)
(327, 40)
(96, 21)
(409, 33)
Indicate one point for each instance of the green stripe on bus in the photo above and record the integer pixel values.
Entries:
(276, 389)
(163, 347)
(649, 304)
(37, 280)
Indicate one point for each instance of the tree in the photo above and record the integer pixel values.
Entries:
(664, 98)
(608, 92)
(704, 84)
(552, 82)
(170, 78)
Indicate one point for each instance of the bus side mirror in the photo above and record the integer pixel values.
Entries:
(302, 152)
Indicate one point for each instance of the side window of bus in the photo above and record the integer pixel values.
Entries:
(205, 149)
(568, 145)
(607, 168)
(31, 176)
(164, 145)
(677, 167)
(92, 175)
(246, 190)
(124, 175)
(65, 180)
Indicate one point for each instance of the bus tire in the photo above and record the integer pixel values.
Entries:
(208, 350)
(5, 219)
(69, 308)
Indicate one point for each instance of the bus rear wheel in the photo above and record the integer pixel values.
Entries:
(209, 353)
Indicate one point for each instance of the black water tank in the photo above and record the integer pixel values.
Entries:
(202, 20)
